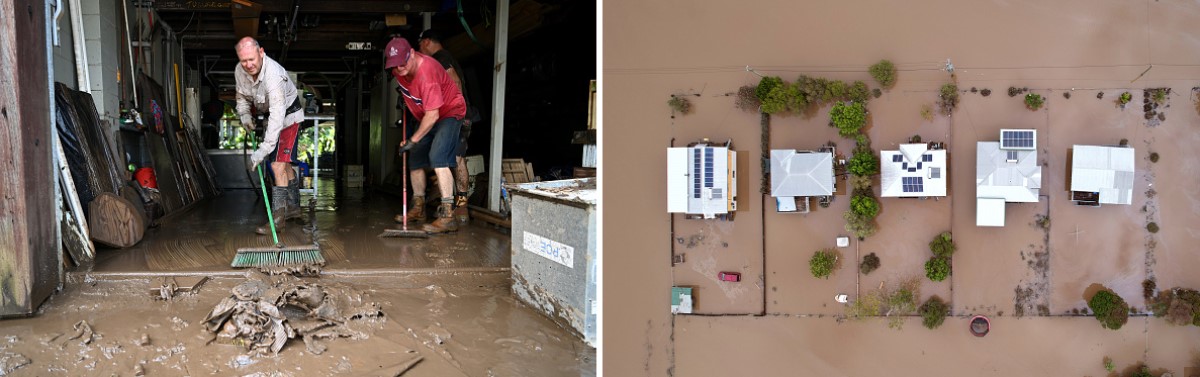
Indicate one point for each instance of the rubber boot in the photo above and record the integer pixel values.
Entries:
(293, 195)
(460, 209)
(445, 222)
(416, 213)
(279, 205)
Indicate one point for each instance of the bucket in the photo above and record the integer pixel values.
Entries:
(146, 178)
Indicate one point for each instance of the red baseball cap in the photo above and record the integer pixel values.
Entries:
(397, 53)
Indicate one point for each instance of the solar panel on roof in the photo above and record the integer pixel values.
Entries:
(1016, 139)
(897, 158)
(927, 157)
(913, 184)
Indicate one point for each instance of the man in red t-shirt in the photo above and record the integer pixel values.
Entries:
(433, 98)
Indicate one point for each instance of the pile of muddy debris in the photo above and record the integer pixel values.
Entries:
(264, 312)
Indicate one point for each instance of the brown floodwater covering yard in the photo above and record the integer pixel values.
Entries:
(1026, 278)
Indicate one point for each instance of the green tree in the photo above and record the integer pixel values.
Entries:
(864, 205)
(822, 263)
(863, 164)
(948, 98)
(1110, 309)
(1034, 101)
(776, 100)
(848, 117)
(933, 312)
(859, 92)
(884, 72)
(937, 268)
(942, 245)
(766, 85)
(861, 227)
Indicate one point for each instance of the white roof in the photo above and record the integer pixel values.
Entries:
(996, 177)
(698, 180)
(911, 164)
(989, 212)
(1104, 170)
(795, 173)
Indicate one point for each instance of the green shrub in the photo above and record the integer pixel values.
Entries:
(1034, 101)
(1158, 95)
(863, 164)
(1144, 371)
(848, 117)
(859, 92)
(1125, 98)
(937, 268)
(1110, 309)
(861, 227)
(838, 89)
(869, 263)
(766, 85)
(776, 100)
(1180, 306)
(927, 112)
(796, 101)
(1108, 364)
(933, 312)
(680, 104)
(864, 205)
(822, 263)
(884, 72)
(942, 245)
(1152, 227)
(1154, 157)
(948, 98)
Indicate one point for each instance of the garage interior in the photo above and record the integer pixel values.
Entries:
(148, 84)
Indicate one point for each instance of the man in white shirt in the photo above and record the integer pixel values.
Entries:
(264, 88)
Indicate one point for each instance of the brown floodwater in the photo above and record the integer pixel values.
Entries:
(1026, 278)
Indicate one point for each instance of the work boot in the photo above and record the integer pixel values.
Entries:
(416, 213)
(445, 222)
(293, 195)
(279, 206)
(460, 209)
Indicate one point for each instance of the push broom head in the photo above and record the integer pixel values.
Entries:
(272, 256)
(404, 233)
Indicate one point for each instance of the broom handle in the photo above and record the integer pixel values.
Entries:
(404, 174)
(270, 217)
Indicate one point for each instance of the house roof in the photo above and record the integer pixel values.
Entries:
(795, 173)
(909, 173)
(997, 177)
(989, 212)
(1104, 170)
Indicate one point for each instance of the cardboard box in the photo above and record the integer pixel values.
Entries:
(475, 164)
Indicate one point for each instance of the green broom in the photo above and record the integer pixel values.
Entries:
(278, 255)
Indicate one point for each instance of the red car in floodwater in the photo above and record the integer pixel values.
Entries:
(730, 276)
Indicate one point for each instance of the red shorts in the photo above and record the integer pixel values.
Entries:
(285, 147)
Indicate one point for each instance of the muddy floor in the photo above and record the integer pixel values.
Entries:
(448, 324)
(348, 222)
(440, 306)
(1077, 48)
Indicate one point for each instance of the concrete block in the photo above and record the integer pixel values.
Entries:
(554, 253)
